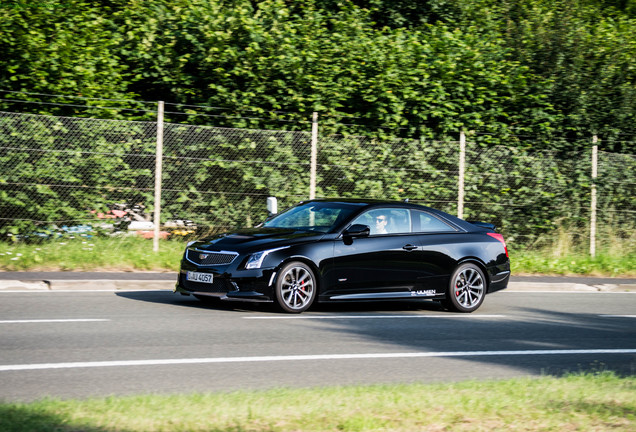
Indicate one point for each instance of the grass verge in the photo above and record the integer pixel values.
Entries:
(136, 254)
(582, 402)
(93, 254)
(606, 263)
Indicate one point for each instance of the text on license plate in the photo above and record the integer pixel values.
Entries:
(199, 277)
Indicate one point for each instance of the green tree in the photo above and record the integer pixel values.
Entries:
(64, 47)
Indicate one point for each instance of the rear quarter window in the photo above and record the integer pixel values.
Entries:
(427, 223)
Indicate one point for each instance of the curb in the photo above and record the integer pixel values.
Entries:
(568, 287)
(163, 285)
(87, 285)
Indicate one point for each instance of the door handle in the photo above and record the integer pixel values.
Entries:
(409, 247)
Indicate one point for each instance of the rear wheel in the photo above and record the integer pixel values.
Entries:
(295, 287)
(467, 289)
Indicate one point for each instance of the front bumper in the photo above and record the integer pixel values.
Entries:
(246, 285)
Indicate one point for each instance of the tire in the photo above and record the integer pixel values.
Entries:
(296, 288)
(467, 289)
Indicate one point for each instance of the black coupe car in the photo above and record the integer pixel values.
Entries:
(348, 250)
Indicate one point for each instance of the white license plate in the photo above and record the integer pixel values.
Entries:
(199, 277)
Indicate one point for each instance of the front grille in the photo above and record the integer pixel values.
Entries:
(206, 258)
(219, 286)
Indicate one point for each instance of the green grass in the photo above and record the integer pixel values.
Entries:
(94, 254)
(136, 254)
(605, 263)
(584, 402)
(565, 251)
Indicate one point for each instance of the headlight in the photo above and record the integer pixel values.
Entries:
(256, 260)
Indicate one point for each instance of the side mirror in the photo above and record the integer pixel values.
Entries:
(357, 230)
(272, 205)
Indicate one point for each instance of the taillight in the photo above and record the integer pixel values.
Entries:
(500, 238)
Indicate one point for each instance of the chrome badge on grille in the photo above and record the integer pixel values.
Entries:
(203, 256)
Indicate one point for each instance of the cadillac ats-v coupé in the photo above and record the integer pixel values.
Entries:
(338, 250)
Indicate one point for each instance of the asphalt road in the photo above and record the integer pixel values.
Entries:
(80, 344)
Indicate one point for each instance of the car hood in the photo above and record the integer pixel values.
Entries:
(255, 239)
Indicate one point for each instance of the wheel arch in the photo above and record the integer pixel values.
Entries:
(479, 263)
(306, 261)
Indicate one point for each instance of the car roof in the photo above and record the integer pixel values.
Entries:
(372, 203)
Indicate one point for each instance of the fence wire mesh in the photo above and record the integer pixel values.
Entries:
(530, 193)
(616, 192)
(61, 174)
(358, 167)
(220, 178)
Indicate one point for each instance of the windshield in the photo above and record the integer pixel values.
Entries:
(314, 216)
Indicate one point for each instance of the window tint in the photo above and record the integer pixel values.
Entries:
(318, 216)
(425, 222)
(386, 220)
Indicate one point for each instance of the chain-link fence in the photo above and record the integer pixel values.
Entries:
(358, 167)
(616, 185)
(76, 174)
(532, 194)
(220, 178)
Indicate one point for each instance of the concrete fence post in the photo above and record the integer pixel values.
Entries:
(158, 175)
(593, 196)
(460, 181)
(314, 156)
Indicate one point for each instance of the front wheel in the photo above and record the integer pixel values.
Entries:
(467, 289)
(295, 287)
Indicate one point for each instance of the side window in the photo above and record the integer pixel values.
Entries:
(425, 222)
(386, 220)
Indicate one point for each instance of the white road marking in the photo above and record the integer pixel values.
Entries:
(510, 292)
(507, 291)
(306, 317)
(117, 290)
(318, 357)
(618, 316)
(51, 321)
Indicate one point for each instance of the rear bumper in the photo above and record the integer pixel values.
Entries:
(499, 281)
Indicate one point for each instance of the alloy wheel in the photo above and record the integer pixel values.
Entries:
(297, 288)
(469, 287)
